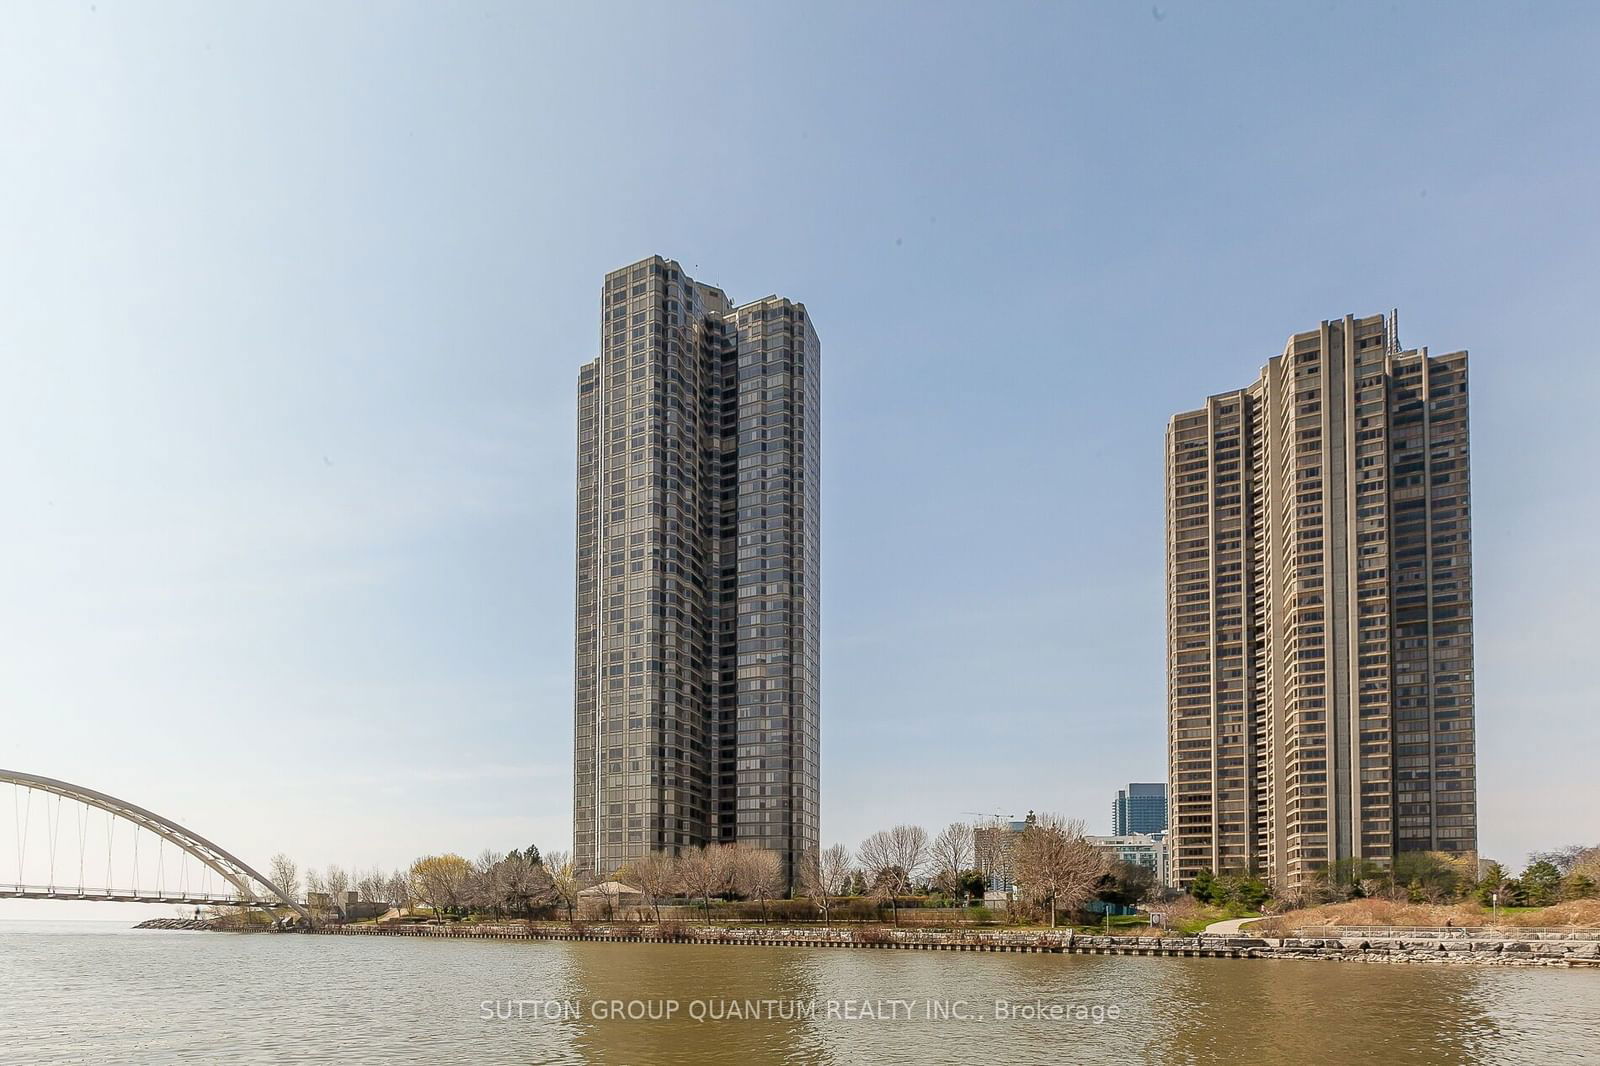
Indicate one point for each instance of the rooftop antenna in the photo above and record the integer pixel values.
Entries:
(1394, 331)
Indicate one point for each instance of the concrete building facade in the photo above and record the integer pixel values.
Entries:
(994, 844)
(1142, 849)
(1319, 605)
(697, 707)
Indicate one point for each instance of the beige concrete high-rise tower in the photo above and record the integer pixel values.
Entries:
(697, 667)
(1319, 612)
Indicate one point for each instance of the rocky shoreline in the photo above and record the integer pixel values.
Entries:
(1479, 947)
(1482, 948)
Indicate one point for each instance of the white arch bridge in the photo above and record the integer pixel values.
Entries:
(113, 850)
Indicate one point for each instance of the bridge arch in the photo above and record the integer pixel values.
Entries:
(249, 883)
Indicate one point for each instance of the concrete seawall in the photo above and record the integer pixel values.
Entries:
(1581, 949)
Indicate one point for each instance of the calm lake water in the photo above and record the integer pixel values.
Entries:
(102, 993)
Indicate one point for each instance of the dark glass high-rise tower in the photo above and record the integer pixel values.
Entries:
(1319, 612)
(698, 574)
(1140, 808)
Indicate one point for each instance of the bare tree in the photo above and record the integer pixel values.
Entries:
(951, 856)
(654, 874)
(440, 881)
(755, 873)
(373, 886)
(825, 875)
(993, 849)
(510, 883)
(809, 882)
(520, 882)
(480, 891)
(1056, 867)
(564, 881)
(703, 873)
(397, 890)
(338, 882)
(285, 875)
(1564, 858)
(836, 864)
(891, 859)
(316, 891)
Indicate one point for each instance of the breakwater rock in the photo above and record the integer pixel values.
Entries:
(1579, 949)
(179, 923)
(1481, 947)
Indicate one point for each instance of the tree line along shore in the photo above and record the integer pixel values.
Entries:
(1055, 875)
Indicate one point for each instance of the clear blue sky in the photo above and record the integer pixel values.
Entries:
(293, 296)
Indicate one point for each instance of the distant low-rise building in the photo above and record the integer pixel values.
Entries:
(610, 899)
(1142, 849)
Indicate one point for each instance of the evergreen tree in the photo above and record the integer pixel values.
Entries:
(1541, 882)
(1577, 886)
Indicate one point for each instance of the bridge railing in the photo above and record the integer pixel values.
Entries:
(74, 891)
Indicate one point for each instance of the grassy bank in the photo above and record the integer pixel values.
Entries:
(1375, 913)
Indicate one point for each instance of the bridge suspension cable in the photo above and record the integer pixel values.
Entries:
(185, 878)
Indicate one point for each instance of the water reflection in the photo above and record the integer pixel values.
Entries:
(1305, 1011)
(159, 997)
(730, 1003)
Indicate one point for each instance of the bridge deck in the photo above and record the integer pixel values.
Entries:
(130, 895)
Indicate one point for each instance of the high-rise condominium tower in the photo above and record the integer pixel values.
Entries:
(1319, 612)
(697, 705)
(1140, 808)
